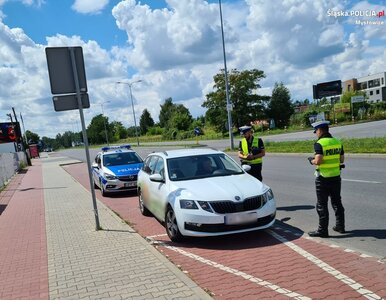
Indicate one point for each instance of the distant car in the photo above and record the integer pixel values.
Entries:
(115, 169)
(203, 192)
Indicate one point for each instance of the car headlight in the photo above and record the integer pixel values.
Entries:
(110, 177)
(268, 195)
(205, 206)
(188, 204)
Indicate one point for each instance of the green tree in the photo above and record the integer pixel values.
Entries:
(180, 118)
(280, 107)
(146, 121)
(118, 131)
(33, 138)
(96, 129)
(165, 112)
(247, 104)
(346, 96)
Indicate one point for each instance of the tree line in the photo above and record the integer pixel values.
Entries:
(176, 122)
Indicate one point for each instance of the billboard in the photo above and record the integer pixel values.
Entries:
(9, 132)
(327, 89)
(342, 107)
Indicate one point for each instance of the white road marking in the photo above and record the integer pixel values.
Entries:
(157, 235)
(326, 267)
(246, 276)
(363, 181)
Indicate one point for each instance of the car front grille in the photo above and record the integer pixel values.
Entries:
(226, 207)
(128, 178)
(213, 228)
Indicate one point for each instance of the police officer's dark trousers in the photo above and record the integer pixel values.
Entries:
(255, 171)
(329, 187)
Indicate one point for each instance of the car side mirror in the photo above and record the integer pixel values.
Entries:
(95, 165)
(156, 178)
(246, 168)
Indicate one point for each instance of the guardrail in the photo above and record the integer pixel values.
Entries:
(10, 164)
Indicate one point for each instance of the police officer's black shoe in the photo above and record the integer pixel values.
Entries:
(317, 233)
(339, 229)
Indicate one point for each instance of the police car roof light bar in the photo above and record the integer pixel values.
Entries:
(104, 149)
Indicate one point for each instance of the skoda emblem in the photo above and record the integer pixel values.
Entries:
(237, 198)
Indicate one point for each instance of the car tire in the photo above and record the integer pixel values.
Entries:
(171, 225)
(103, 191)
(142, 207)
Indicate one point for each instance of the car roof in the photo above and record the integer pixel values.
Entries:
(186, 152)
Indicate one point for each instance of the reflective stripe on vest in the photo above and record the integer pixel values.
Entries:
(244, 147)
(332, 148)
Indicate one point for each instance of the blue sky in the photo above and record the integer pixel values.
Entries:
(174, 47)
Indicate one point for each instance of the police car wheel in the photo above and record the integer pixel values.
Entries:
(103, 191)
(142, 207)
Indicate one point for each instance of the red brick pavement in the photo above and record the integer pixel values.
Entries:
(257, 254)
(23, 248)
(7, 193)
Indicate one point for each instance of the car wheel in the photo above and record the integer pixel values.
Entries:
(142, 207)
(171, 225)
(103, 191)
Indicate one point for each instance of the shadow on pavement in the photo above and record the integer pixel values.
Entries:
(114, 195)
(375, 233)
(296, 207)
(247, 240)
(37, 188)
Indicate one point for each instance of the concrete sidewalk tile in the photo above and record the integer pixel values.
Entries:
(115, 261)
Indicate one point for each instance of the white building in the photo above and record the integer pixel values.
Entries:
(374, 86)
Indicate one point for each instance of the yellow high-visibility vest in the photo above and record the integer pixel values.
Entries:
(330, 166)
(244, 147)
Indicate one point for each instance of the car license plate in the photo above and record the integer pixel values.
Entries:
(240, 218)
(130, 184)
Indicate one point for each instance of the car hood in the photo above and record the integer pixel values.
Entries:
(220, 188)
(123, 170)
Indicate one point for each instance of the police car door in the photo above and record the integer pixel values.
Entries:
(96, 170)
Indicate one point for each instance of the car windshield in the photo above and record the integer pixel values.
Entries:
(121, 158)
(202, 166)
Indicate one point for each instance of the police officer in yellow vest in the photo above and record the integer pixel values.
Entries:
(251, 151)
(329, 156)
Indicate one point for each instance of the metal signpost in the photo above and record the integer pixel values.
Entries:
(67, 76)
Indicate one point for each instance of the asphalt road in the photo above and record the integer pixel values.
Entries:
(292, 180)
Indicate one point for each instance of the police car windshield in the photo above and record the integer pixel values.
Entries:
(121, 158)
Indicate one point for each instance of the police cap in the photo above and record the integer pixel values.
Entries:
(245, 129)
(320, 124)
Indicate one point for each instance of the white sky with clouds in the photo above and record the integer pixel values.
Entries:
(175, 47)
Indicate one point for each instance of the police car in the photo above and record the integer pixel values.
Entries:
(115, 169)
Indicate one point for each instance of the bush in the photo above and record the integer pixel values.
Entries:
(155, 130)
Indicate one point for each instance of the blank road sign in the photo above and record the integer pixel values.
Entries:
(70, 102)
(355, 99)
(61, 72)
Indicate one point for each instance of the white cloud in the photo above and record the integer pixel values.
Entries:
(89, 6)
(177, 50)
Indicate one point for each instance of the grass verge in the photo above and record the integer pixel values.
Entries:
(360, 145)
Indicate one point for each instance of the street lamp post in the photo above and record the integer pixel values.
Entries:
(104, 123)
(229, 105)
(132, 105)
